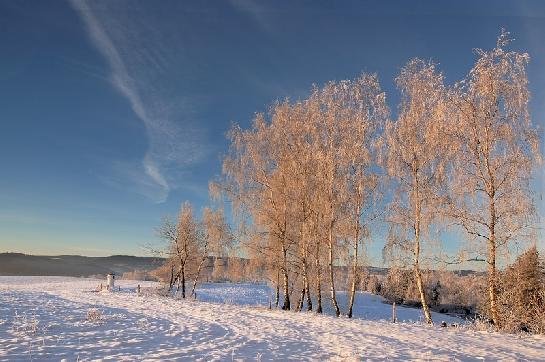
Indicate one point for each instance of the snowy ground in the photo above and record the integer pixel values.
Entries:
(63, 318)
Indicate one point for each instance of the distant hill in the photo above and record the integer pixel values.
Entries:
(78, 266)
(73, 265)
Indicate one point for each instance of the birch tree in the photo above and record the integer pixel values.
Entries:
(332, 161)
(213, 237)
(302, 192)
(414, 159)
(183, 239)
(369, 107)
(169, 234)
(316, 231)
(344, 116)
(255, 174)
(497, 152)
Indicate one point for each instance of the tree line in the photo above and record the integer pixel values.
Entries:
(313, 181)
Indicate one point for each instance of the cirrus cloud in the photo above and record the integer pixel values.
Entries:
(143, 68)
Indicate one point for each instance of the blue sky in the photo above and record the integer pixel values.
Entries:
(112, 113)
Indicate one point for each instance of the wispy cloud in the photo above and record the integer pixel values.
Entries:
(257, 10)
(141, 65)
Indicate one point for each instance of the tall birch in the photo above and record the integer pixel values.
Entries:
(497, 152)
(415, 159)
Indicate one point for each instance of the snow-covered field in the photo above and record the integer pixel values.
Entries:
(64, 318)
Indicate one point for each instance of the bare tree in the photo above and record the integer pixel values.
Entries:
(169, 234)
(255, 180)
(370, 111)
(213, 238)
(316, 241)
(182, 239)
(497, 152)
(415, 160)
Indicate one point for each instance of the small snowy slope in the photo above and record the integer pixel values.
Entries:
(63, 318)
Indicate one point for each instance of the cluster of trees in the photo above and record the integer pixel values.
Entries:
(520, 298)
(190, 242)
(310, 180)
(303, 181)
(216, 268)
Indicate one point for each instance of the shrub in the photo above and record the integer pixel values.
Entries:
(521, 295)
(94, 315)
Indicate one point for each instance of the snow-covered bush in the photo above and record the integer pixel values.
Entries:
(94, 315)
